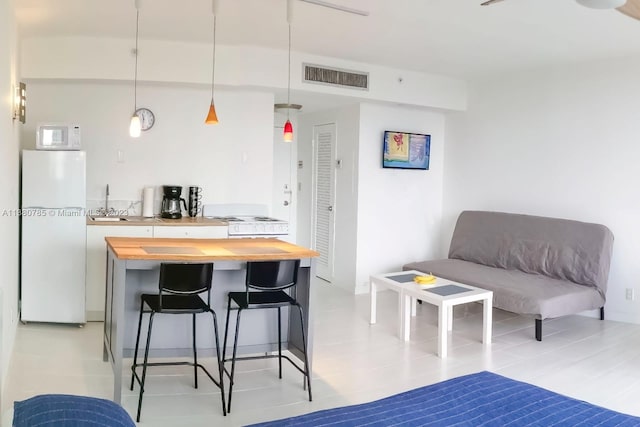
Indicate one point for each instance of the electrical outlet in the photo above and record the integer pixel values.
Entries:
(629, 294)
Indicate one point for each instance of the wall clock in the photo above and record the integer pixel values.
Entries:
(147, 118)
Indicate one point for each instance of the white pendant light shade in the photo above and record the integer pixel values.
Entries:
(602, 4)
(135, 127)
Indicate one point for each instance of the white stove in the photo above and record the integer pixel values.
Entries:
(247, 220)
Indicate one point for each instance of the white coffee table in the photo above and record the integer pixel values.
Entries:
(454, 293)
(385, 281)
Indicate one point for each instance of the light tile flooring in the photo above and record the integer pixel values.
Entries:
(354, 362)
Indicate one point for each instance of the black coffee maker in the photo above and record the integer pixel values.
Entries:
(171, 201)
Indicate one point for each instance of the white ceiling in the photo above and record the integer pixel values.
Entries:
(452, 37)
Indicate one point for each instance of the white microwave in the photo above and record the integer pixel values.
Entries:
(58, 136)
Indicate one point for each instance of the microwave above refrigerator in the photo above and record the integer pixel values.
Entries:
(58, 136)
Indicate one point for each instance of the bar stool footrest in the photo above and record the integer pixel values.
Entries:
(268, 356)
(138, 380)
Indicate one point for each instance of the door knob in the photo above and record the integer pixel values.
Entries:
(286, 203)
(330, 208)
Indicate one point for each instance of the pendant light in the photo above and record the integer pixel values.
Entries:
(135, 126)
(212, 117)
(288, 127)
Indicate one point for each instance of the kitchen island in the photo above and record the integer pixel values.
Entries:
(133, 265)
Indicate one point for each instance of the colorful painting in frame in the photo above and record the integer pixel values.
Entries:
(404, 150)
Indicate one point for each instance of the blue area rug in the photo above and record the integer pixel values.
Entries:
(482, 399)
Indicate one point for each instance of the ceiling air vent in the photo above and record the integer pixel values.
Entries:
(336, 77)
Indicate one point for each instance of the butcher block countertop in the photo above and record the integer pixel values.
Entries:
(149, 248)
(156, 221)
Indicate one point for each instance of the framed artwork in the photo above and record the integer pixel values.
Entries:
(404, 150)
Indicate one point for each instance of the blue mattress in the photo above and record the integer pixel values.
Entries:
(481, 399)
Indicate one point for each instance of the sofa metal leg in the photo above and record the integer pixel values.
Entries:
(602, 313)
(539, 329)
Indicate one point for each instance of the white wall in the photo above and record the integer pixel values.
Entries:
(232, 161)
(399, 211)
(561, 142)
(9, 178)
(347, 121)
(383, 218)
(80, 58)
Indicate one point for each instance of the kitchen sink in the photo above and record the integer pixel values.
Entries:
(109, 218)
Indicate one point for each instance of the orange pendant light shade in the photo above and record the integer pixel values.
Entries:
(212, 117)
(288, 132)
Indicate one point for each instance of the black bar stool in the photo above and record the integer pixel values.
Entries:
(270, 279)
(179, 286)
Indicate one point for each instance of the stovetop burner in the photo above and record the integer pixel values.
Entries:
(265, 218)
(227, 218)
(247, 220)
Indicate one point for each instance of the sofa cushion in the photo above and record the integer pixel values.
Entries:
(516, 291)
(68, 410)
(563, 249)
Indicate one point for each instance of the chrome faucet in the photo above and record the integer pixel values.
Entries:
(106, 210)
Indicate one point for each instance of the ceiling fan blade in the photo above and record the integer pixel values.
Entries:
(631, 8)
(490, 2)
(338, 7)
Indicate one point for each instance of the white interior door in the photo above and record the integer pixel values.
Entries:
(324, 142)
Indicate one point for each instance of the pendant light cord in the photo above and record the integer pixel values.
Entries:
(289, 75)
(135, 76)
(213, 66)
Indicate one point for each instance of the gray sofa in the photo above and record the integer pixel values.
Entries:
(537, 266)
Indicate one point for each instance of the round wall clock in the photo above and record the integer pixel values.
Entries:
(147, 119)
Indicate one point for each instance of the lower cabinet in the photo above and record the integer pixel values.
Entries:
(97, 254)
(194, 232)
(97, 263)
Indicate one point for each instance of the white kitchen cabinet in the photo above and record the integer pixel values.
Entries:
(194, 232)
(97, 262)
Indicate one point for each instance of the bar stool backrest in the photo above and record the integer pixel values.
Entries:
(272, 275)
(185, 279)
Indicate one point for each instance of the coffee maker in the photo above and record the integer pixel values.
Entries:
(171, 201)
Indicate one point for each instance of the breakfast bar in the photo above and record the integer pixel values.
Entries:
(133, 266)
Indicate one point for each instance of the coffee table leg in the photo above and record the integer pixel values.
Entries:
(414, 303)
(373, 296)
(442, 331)
(487, 320)
(450, 318)
(405, 309)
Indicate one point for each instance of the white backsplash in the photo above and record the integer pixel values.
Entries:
(121, 207)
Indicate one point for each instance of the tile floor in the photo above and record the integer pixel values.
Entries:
(354, 362)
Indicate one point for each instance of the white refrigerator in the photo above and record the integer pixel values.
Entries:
(53, 236)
